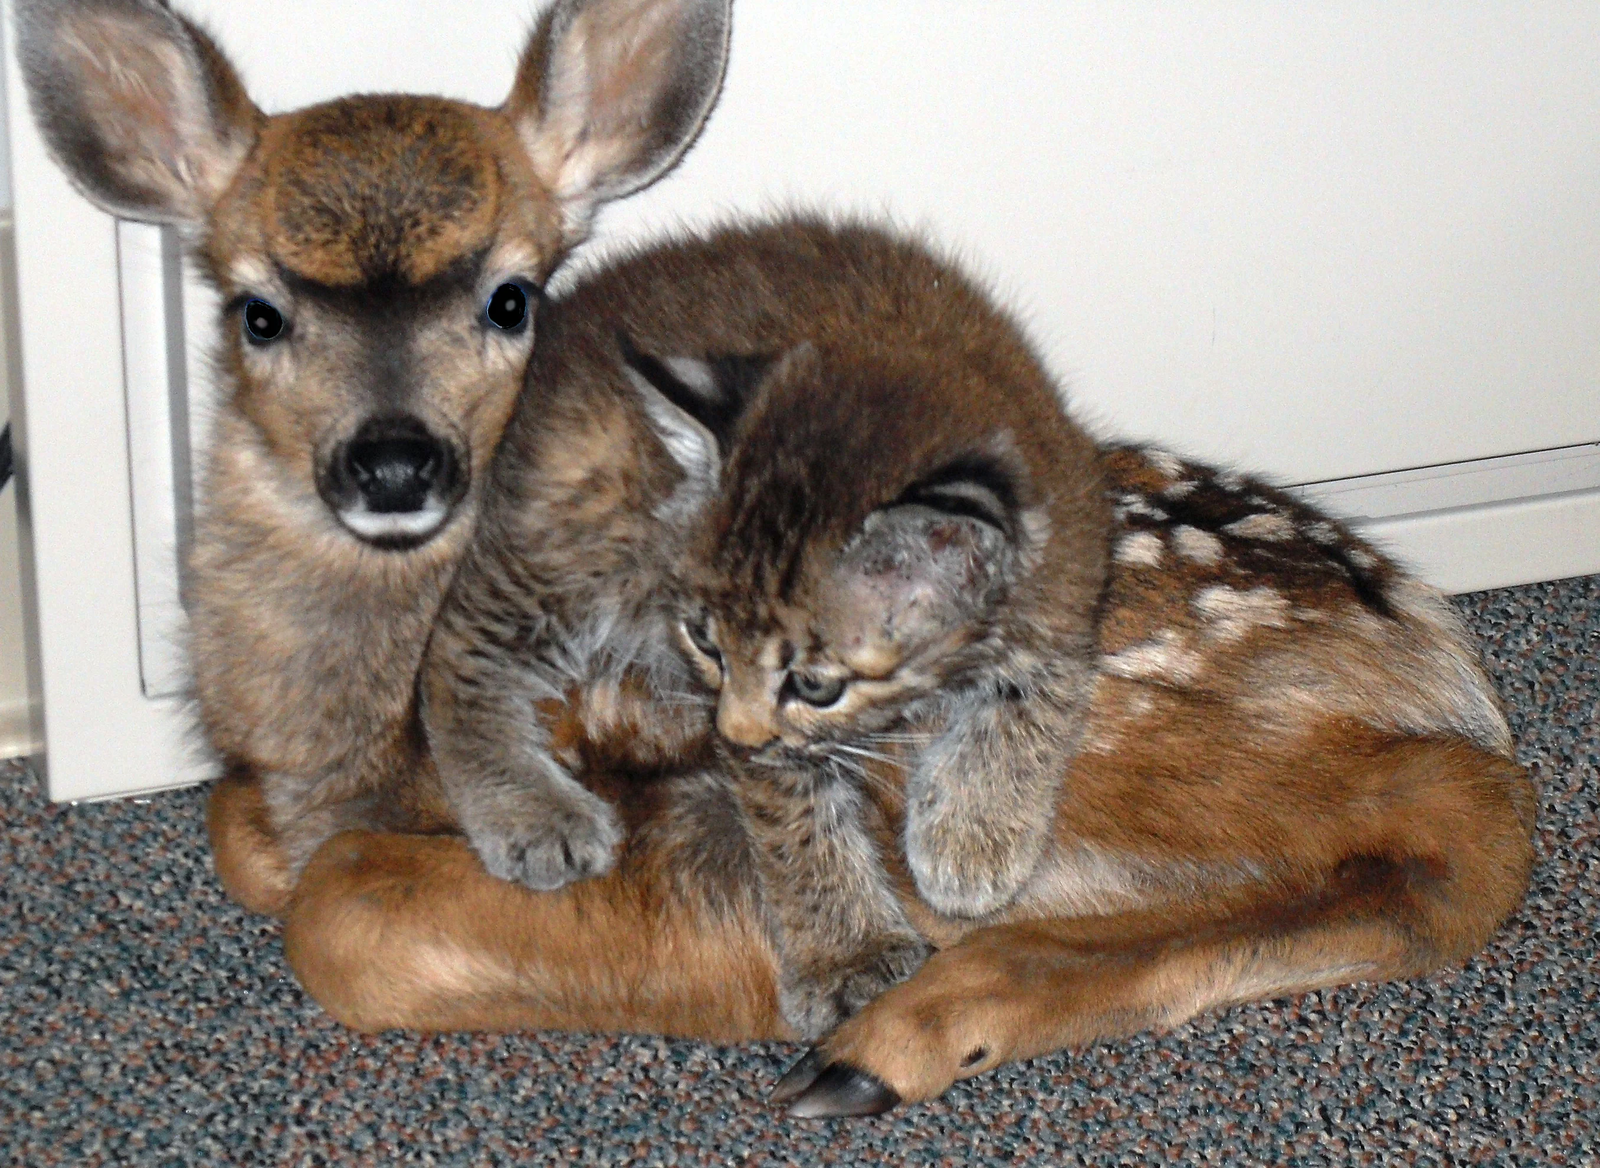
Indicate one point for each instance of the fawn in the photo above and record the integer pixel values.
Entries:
(1293, 772)
(381, 259)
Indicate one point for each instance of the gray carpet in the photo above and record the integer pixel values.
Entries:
(146, 1020)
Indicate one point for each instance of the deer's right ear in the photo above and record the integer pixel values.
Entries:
(138, 106)
(610, 93)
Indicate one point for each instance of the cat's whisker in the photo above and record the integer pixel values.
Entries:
(863, 753)
(838, 763)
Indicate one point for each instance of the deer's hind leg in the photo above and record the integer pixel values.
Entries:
(390, 930)
(1426, 889)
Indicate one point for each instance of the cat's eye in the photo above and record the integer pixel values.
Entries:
(816, 691)
(698, 631)
(507, 309)
(262, 322)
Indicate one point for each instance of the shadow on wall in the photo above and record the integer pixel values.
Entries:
(16, 737)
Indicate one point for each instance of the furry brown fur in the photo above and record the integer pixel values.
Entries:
(1293, 773)
(361, 405)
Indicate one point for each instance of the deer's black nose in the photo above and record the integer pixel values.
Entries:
(396, 464)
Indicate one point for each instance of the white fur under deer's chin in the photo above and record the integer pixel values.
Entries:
(395, 528)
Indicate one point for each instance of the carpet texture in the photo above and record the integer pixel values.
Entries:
(146, 1020)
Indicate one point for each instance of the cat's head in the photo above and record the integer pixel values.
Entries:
(849, 549)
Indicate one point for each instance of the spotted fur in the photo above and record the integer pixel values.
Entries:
(1284, 807)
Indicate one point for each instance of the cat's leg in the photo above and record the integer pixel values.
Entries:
(493, 665)
(840, 933)
(1423, 886)
(982, 797)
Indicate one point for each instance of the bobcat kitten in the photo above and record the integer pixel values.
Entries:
(839, 446)
(902, 545)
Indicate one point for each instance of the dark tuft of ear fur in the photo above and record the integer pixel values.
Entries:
(711, 390)
(141, 110)
(982, 485)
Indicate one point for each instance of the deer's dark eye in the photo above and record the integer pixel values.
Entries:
(508, 307)
(816, 691)
(262, 322)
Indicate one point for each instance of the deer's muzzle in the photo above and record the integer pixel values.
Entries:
(394, 482)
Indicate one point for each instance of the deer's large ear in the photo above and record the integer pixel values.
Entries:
(141, 110)
(610, 93)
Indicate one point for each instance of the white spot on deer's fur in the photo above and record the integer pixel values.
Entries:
(1322, 532)
(1179, 489)
(1234, 613)
(1362, 559)
(1141, 547)
(1140, 506)
(1200, 546)
(1230, 480)
(1266, 525)
(1108, 730)
(1169, 464)
(1163, 658)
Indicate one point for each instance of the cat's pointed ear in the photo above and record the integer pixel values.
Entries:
(141, 110)
(694, 402)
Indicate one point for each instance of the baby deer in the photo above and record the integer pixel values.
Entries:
(380, 259)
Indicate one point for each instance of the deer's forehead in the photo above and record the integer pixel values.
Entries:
(372, 188)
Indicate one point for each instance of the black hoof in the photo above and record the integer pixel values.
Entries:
(839, 1090)
(798, 1077)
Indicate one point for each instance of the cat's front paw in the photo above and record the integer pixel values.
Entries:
(970, 869)
(546, 843)
(817, 999)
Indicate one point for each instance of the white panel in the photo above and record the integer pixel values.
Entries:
(159, 480)
(103, 735)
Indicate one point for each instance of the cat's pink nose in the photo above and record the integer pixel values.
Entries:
(739, 725)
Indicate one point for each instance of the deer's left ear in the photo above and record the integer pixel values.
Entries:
(694, 403)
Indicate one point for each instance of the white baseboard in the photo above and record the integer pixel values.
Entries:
(1472, 548)
(1490, 523)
